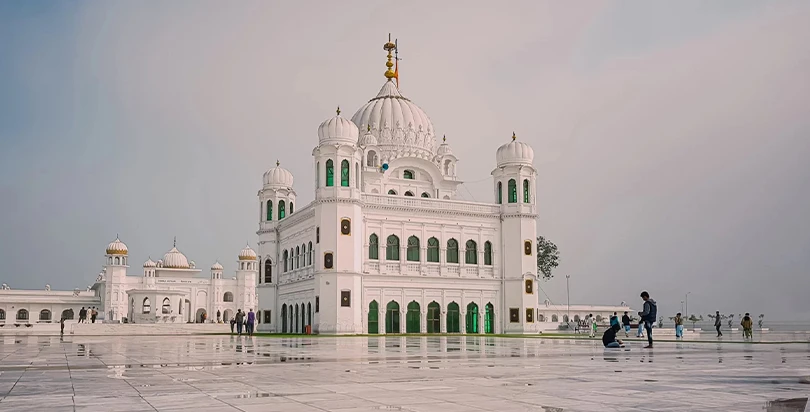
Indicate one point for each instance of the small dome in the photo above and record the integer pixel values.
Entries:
(514, 153)
(175, 259)
(368, 139)
(117, 247)
(149, 263)
(338, 130)
(247, 254)
(278, 177)
(216, 266)
(444, 149)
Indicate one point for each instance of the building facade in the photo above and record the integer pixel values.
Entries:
(386, 246)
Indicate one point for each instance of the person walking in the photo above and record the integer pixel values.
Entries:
(82, 315)
(648, 316)
(594, 326)
(62, 326)
(748, 326)
(626, 323)
(614, 320)
(93, 314)
(678, 326)
(718, 322)
(251, 321)
(240, 320)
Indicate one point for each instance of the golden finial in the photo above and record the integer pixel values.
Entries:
(368, 128)
(278, 163)
(338, 110)
(389, 47)
(175, 242)
(513, 136)
(444, 138)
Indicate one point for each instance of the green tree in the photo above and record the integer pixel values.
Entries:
(694, 319)
(548, 257)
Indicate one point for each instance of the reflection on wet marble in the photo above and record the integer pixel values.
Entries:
(416, 374)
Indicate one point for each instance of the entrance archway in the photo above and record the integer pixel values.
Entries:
(199, 315)
(434, 316)
(471, 320)
(489, 319)
(67, 314)
(373, 315)
(452, 318)
(412, 324)
(392, 317)
(227, 315)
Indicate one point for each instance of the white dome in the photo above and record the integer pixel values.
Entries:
(174, 259)
(117, 247)
(514, 153)
(247, 254)
(337, 130)
(149, 263)
(444, 148)
(216, 266)
(368, 139)
(402, 129)
(278, 177)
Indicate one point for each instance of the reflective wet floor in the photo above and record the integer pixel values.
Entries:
(417, 374)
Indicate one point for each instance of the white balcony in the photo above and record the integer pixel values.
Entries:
(433, 205)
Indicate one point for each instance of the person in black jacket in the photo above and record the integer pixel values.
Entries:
(609, 337)
(626, 324)
(648, 316)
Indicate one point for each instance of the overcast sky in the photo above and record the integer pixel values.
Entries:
(671, 138)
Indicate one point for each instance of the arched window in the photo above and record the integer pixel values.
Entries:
(434, 316)
(22, 314)
(452, 251)
(500, 193)
(392, 248)
(370, 158)
(330, 173)
(357, 175)
(471, 255)
(285, 261)
(526, 191)
(228, 297)
(433, 250)
(344, 173)
(269, 210)
(554, 318)
(412, 318)
(281, 210)
(167, 306)
(471, 320)
(489, 318)
(408, 174)
(317, 175)
(373, 247)
(67, 314)
(392, 317)
(512, 191)
(453, 318)
(409, 193)
(44, 314)
(413, 249)
(292, 208)
(297, 257)
(147, 306)
(284, 318)
(309, 253)
(425, 195)
(373, 318)
(488, 253)
(268, 271)
(392, 192)
(2, 314)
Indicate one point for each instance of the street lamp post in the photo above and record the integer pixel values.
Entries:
(568, 292)
(687, 305)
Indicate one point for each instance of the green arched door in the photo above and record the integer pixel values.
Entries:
(412, 318)
(434, 316)
(373, 318)
(392, 317)
(471, 320)
(452, 318)
(489, 319)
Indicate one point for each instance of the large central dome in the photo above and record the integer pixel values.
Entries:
(402, 129)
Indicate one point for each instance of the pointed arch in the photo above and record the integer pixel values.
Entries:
(392, 248)
(292, 207)
(526, 191)
(373, 318)
(373, 247)
(284, 318)
(433, 250)
(392, 317)
(489, 318)
(412, 252)
(412, 318)
(268, 271)
(45, 315)
(330, 173)
(269, 210)
(471, 319)
(488, 253)
(147, 306)
(309, 253)
(453, 318)
(285, 257)
(434, 318)
(392, 192)
(166, 307)
(344, 173)
(281, 210)
(297, 257)
(409, 194)
(471, 254)
(512, 191)
(500, 193)
(425, 195)
(452, 251)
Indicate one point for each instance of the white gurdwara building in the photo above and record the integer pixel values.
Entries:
(386, 247)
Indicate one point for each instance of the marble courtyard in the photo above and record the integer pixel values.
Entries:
(418, 374)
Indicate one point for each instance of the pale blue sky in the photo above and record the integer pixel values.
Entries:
(671, 137)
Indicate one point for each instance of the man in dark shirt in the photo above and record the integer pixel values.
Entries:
(626, 323)
(609, 338)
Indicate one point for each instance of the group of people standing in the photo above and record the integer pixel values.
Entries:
(83, 314)
(647, 320)
(746, 322)
(243, 320)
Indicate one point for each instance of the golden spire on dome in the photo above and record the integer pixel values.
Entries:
(368, 128)
(389, 47)
(278, 163)
(444, 138)
(513, 136)
(338, 110)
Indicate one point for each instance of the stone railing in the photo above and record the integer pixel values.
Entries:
(433, 205)
(297, 275)
(428, 269)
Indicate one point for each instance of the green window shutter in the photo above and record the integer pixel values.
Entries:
(344, 173)
(330, 173)
(512, 191)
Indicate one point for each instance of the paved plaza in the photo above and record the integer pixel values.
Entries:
(418, 374)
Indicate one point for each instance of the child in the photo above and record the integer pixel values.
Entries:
(609, 337)
(747, 324)
(678, 325)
